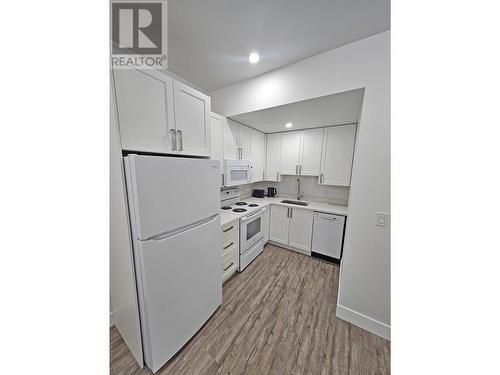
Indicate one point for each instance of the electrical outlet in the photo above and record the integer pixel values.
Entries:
(382, 219)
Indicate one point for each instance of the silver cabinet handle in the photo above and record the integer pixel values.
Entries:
(288, 212)
(321, 178)
(228, 267)
(300, 169)
(179, 133)
(225, 247)
(296, 169)
(291, 212)
(173, 139)
(228, 229)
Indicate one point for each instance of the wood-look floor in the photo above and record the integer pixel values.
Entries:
(276, 317)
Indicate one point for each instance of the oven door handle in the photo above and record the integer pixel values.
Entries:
(253, 214)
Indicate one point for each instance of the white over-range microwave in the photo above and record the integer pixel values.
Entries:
(237, 172)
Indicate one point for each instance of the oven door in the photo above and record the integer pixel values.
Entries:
(251, 230)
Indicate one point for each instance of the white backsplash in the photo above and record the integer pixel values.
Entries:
(309, 186)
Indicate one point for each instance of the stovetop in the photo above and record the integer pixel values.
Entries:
(240, 208)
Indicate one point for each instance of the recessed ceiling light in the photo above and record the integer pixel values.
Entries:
(254, 57)
(288, 125)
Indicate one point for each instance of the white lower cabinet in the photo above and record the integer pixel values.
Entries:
(300, 235)
(230, 249)
(291, 227)
(265, 225)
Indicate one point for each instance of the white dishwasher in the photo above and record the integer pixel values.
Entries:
(328, 234)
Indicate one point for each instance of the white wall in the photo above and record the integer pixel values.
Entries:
(309, 186)
(364, 291)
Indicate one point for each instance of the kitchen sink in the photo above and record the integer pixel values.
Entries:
(295, 202)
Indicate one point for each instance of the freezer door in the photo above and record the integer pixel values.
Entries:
(181, 288)
(167, 193)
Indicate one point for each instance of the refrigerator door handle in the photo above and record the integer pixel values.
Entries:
(179, 133)
(173, 139)
(164, 235)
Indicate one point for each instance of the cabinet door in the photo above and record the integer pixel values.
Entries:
(216, 141)
(311, 152)
(231, 132)
(278, 231)
(290, 152)
(144, 102)
(192, 120)
(301, 222)
(265, 223)
(245, 142)
(272, 157)
(258, 153)
(338, 151)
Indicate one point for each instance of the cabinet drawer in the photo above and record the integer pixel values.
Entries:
(230, 262)
(229, 244)
(230, 229)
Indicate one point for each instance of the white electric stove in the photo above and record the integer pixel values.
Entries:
(251, 231)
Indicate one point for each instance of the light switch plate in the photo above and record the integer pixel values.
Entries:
(382, 219)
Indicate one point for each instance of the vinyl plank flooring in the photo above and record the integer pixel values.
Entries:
(276, 317)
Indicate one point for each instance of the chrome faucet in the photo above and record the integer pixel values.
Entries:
(299, 194)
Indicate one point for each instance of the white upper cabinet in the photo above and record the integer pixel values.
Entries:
(160, 114)
(245, 142)
(192, 120)
(257, 154)
(145, 110)
(216, 124)
(272, 157)
(242, 142)
(338, 151)
(216, 136)
(231, 135)
(290, 152)
(311, 152)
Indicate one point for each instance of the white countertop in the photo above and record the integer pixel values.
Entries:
(312, 206)
(226, 217)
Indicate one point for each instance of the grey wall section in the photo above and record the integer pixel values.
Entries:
(124, 306)
(364, 291)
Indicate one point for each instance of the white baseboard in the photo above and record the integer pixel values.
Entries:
(111, 319)
(365, 322)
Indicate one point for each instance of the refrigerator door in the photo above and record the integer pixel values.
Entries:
(168, 193)
(181, 288)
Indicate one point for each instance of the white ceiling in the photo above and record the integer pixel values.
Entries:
(209, 40)
(337, 109)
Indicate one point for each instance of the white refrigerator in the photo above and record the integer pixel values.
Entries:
(174, 213)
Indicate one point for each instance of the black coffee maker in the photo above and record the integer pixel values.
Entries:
(271, 192)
